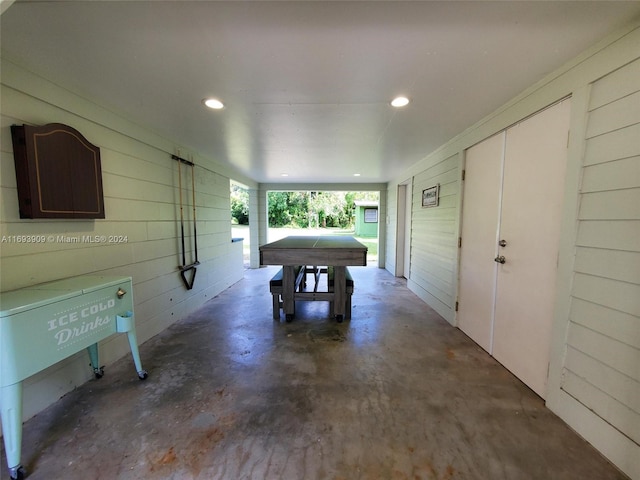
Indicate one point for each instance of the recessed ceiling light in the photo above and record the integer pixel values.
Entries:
(400, 102)
(284, 174)
(356, 174)
(213, 103)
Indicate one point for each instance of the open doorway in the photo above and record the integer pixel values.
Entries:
(325, 213)
(403, 232)
(239, 196)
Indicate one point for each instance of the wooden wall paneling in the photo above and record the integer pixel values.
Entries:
(603, 352)
(618, 414)
(138, 177)
(617, 355)
(617, 174)
(618, 114)
(613, 146)
(612, 293)
(605, 378)
(609, 234)
(619, 265)
(611, 205)
(615, 85)
(433, 236)
(617, 325)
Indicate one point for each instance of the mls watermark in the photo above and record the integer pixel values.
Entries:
(89, 239)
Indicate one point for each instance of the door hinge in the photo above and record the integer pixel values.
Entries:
(456, 306)
(464, 173)
(459, 242)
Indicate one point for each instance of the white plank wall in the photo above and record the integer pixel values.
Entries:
(593, 372)
(434, 232)
(140, 183)
(603, 343)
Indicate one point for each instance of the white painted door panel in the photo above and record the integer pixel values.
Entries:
(534, 174)
(407, 226)
(513, 191)
(482, 191)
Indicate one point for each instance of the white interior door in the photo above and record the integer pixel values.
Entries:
(513, 195)
(534, 175)
(400, 231)
(403, 232)
(480, 216)
(407, 230)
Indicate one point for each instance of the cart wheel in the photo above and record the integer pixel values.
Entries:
(339, 318)
(99, 372)
(17, 473)
(289, 317)
(142, 374)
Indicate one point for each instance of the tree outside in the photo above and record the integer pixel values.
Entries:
(317, 212)
(239, 205)
(302, 209)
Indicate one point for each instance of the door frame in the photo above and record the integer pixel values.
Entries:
(403, 229)
(530, 380)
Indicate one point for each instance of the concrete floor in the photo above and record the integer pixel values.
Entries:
(394, 393)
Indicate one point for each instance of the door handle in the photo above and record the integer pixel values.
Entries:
(500, 259)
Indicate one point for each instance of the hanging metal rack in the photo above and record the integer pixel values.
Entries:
(190, 268)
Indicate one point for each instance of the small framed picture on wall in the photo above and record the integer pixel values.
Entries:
(431, 196)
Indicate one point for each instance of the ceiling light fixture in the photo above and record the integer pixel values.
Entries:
(400, 102)
(356, 174)
(213, 103)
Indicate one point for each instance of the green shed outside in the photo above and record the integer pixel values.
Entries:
(366, 218)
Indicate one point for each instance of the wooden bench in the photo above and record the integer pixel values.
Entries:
(275, 287)
(349, 284)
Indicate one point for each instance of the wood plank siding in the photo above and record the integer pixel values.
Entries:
(593, 381)
(603, 342)
(433, 236)
(142, 214)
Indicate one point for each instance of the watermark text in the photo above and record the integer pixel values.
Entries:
(36, 239)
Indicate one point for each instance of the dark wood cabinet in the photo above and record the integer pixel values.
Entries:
(58, 172)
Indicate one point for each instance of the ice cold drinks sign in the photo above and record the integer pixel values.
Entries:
(73, 325)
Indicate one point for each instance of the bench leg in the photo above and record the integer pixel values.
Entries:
(276, 306)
